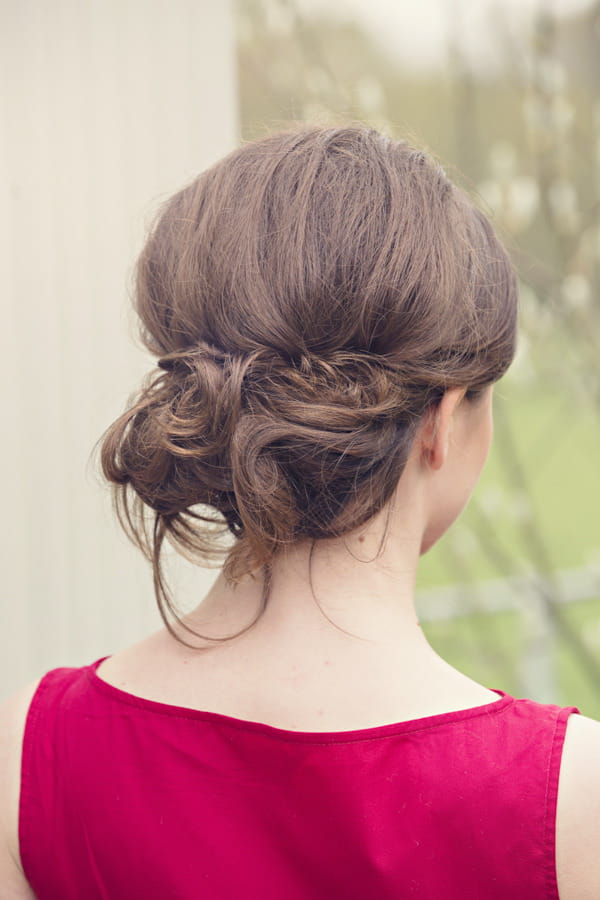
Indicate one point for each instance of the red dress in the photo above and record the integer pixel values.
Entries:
(123, 797)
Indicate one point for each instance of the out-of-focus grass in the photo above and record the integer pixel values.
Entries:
(485, 647)
(490, 649)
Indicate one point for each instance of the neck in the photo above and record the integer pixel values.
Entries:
(352, 596)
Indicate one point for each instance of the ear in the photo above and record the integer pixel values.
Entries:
(435, 429)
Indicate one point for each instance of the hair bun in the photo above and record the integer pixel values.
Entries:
(317, 423)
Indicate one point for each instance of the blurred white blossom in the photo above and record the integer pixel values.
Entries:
(314, 111)
(370, 94)
(521, 507)
(522, 198)
(491, 192)
(562, 198)
(511, 195)
(551, 75)
(576, 291)
(503, 159)
(562, 113)
(522, 370)
(536, 317)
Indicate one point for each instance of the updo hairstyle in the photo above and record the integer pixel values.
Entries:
(308, 298)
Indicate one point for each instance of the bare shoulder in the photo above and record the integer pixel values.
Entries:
(578, 813)
(13, 714)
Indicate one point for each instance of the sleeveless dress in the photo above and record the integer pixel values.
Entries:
(123, 797)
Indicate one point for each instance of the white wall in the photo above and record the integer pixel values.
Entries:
(107, 107)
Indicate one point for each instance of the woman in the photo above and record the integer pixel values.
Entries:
(330, 315)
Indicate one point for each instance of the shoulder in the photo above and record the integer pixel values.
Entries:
(13, 715)
(578, 811)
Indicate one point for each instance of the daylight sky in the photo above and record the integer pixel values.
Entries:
(418, 30)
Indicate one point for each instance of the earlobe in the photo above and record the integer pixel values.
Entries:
(438, 450)
(436, 429)
(433, 445)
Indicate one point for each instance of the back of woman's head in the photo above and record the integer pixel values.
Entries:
(309, 298)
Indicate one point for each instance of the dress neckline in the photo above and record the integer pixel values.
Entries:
(273, 731)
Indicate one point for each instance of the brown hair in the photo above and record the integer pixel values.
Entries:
(308, 297)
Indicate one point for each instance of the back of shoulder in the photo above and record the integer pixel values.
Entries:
(578, 811)
(13, 715)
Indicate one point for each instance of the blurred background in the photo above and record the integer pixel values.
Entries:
(109, 108)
